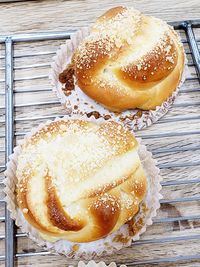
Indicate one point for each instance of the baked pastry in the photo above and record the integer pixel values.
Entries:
(129, 60)
(78, 180)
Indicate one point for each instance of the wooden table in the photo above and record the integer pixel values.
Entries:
(174, 140)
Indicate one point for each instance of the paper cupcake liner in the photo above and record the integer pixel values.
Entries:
(115, 241)
(99, 264)
(79, 103)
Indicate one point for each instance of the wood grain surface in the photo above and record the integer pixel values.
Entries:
(174, 140)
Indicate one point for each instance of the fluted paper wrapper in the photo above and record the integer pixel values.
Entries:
(107, 245)
(99, 264)
(79, 103)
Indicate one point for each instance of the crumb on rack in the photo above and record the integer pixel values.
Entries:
(67, 78)
(121, 239)
(96, 114)
(75, 247)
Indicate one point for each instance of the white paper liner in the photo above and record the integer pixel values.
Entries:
(86, 104)
(99, 264)
(107, 245)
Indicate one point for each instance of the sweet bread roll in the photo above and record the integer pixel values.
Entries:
(80, 181)
(129, 61)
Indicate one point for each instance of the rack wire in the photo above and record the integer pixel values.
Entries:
(9, 133)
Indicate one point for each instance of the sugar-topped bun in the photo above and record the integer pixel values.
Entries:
(129, 60)
(78, 180)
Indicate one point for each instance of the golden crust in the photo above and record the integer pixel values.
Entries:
(151, 68)
(110, 14)
(56, 213)
(132, 67)
(80, 181)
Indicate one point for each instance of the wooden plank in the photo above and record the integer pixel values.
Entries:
(73, 14)
(132, 254)
(63, 262)
(21, 98)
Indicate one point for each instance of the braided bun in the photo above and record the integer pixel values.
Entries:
(80, 181)
(129, 61)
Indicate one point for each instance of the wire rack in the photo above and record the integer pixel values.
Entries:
(26, 100)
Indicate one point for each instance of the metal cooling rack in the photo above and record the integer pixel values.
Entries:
(11, 236)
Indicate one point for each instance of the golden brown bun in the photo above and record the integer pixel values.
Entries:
(80, 181)
(129, 60)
